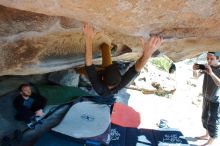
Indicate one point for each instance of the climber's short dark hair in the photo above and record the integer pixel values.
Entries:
(111, 75)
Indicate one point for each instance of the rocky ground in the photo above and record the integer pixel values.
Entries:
(182, 109)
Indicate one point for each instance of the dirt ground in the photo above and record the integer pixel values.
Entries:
(182, 109)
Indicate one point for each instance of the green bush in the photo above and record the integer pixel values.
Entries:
(162, 63)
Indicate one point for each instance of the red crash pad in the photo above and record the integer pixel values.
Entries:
(125, 116)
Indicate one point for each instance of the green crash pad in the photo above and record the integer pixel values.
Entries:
(56, 94)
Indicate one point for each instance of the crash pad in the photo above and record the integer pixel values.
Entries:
(125, 116)
(85, 119)
(56, 94)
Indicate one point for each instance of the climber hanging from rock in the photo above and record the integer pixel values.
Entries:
(109, 81)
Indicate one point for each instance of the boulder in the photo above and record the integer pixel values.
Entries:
(66, 78)
(39, 36)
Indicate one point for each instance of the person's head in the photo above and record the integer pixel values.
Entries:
(213, 58)
(25, 90)
(111, 76)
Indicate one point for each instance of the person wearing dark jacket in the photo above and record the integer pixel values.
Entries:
(110, 81)
(211, 96)
(28, 104)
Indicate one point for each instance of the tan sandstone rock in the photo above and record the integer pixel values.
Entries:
(40, 36)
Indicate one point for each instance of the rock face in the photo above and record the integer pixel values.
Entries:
(38, 36)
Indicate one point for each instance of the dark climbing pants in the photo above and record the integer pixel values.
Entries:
(25, 114)
(211, 117)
